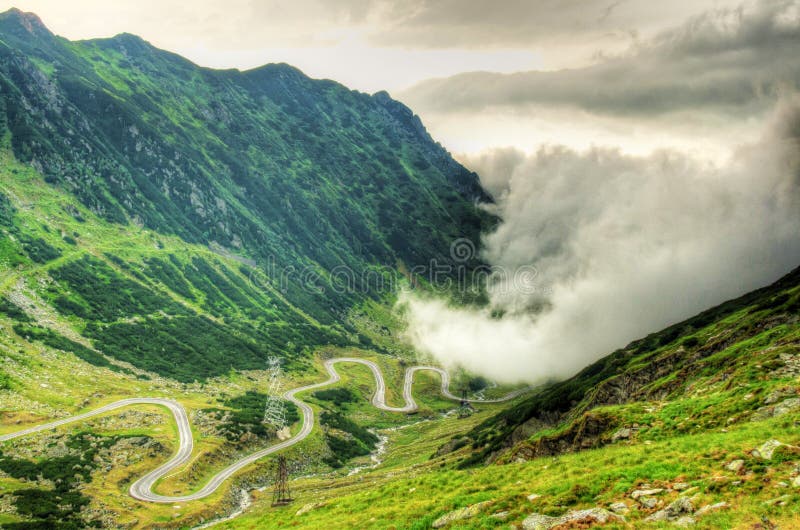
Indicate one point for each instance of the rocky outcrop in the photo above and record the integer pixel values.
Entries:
(575, 518)
(588, 432)
(768, 449)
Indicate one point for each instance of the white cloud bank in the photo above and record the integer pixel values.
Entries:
(624, 246)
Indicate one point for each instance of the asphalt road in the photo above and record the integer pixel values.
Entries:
(142, 489)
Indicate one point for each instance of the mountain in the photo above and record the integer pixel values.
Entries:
(268, 163)
(167, 231)
(316, 198)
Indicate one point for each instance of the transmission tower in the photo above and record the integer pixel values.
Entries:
(274, 411)
(281, 496)
(465, 409)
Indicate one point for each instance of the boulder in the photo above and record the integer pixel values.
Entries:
(308, 507)
(646, 493)
(461, 514)
(735, 465)
(502, 516)
(786, 406)
(619, 508)
(768, 448)
(677, 509)
(711, 508)
(621, 434)
(648, 502)
(592, 515)
(537, 521)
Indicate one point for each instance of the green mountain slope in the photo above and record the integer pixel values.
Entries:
(693, 425)
(313, 197)
(81, 284)
(301, 175)
(702, 367)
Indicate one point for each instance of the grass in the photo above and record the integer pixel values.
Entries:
(430, 488)
(77, 380)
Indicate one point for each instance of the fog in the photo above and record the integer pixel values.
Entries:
(622, 246)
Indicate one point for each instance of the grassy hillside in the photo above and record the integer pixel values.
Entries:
(739, 345)
(100, 290)
(675, 429)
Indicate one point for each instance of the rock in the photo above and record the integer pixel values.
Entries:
(533, 496)
(502, 516)
(777, 395)
(538, 521)
(646, 493)
(621, 434)
(592, 515)
(284, 434)
(767, 449)
(619, 508)
(678, 509)
(779, 501)
(648, 502)
(460, 514)
(682, 505)
(680, 486)
(735, 465)
(660, 515)
(796, 482)
(711, 508)
(786, 406)
(308, 507)
(686, 520)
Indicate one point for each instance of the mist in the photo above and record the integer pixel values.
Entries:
(621, 246)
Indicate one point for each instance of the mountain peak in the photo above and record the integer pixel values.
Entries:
(27, 22)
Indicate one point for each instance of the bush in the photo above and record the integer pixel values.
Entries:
(38, 250)
(60, 507)
(691, 342)
(13, 311)
(59, 342)
(338, 396)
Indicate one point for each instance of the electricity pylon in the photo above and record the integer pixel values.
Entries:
(281, 496)
(465, 409)
(274, 411)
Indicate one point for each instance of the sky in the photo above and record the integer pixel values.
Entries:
(373, 45)
(552, 66)
(644, 156)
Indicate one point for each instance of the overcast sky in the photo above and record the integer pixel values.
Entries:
(375, 44)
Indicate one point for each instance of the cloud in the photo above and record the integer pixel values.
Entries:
(474, 23)
(735, 61)
(363, 42)
(623, 246)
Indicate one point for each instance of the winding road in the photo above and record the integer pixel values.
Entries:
(142, 489)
